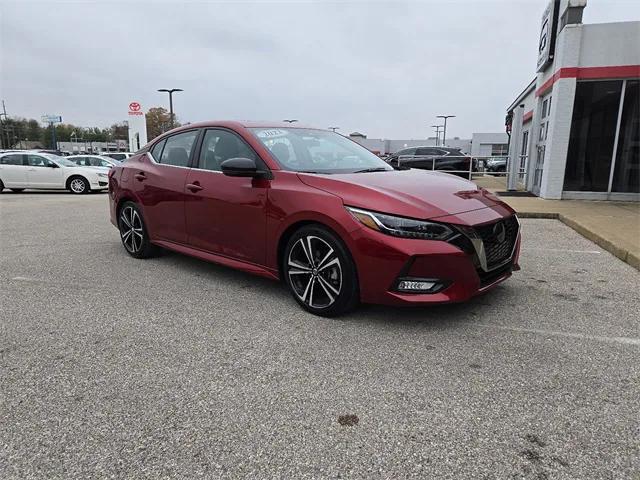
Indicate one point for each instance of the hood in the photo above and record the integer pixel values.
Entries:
(410, 193)
(87, 170)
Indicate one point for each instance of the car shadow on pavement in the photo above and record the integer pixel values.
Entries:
(431, 316)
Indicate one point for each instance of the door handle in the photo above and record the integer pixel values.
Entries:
(140, 176)
(194, 187)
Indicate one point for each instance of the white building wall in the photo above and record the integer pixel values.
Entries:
(610, 44)
(481, 143)
(559, 127)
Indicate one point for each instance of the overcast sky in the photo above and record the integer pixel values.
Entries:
(382, 68)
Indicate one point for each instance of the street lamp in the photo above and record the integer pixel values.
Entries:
(437, 127)
(170, 92)
(444, 134)
(333, 129)
(290, 121)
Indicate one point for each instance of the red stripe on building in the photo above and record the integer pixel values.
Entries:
(527, 117)
(590, 73)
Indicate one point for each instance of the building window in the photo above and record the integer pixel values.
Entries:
(626, 175)
(499, 150)
(593, 129)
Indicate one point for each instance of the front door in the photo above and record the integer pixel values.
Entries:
(13, 170)
(43, 173)
(226, 215)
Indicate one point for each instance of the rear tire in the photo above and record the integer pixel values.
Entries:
(78, 185)
(133, 232)
(1, 186)
(320, 272)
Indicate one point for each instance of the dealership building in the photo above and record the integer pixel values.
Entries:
(575, 129)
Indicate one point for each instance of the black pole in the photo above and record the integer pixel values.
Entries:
(53, 136)
(171, 108)
(444, 133)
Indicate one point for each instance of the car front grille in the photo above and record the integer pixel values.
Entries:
(487, 278)
(498, 239)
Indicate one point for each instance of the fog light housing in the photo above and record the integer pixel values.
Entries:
(417, 285)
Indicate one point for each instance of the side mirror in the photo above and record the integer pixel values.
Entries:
(52, 165)
(241, 167)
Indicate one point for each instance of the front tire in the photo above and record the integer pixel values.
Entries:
(320, 272)
(1, 186)
(133, 232)
(78, 185)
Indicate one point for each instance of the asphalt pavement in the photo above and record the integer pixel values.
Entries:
(112, 367)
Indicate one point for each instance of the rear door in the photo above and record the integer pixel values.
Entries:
(13, 170)
(43, 173)
(226, 215)
(158, 182)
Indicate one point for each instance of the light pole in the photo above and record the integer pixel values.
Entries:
(170, 92)
(437, 127)
(290, 121)
(333, 129)
(444, 134)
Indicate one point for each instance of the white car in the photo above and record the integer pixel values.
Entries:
(93, 161)
(20, 170)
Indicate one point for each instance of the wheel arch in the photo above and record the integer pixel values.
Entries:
(298, 224)
(67, 182)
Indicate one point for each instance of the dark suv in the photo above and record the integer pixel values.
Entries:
(434, 158)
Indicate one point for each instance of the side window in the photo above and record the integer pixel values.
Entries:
(221, 145)
(156, 151)
(13, 159)
(423, 151)
(408, 151)
(37, 161)
(178, 149)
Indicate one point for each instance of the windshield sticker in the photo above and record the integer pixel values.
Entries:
(274, 133)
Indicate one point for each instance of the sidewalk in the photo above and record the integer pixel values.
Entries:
(614, 226)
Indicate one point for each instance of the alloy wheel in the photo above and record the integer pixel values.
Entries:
(131, 229)
(77, 185)
(314, 271)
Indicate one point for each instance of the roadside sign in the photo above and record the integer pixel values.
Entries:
(135, 109)
(51, 119)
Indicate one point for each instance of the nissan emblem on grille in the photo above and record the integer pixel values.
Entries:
(499, 232)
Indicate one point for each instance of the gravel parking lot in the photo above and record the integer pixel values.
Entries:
(176, 368)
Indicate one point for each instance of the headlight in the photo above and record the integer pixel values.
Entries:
(103, 175)
(400, 226)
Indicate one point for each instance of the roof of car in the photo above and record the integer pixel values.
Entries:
(245, 124)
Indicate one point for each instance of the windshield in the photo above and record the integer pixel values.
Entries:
(318, 151)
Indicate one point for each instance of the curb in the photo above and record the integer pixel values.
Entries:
(624, 255)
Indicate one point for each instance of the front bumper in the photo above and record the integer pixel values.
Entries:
(99, 184)
(382, 259)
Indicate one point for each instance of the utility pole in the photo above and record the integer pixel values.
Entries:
(444, 135)
(437, 127)
(2, 127)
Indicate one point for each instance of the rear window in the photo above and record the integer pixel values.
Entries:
(12, 159)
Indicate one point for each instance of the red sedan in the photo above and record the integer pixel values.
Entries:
(315, 209)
